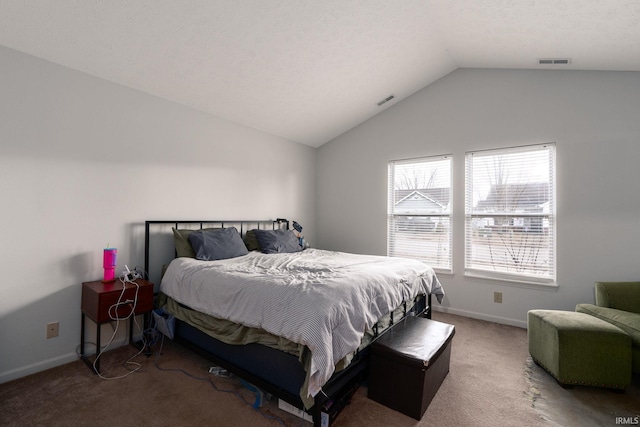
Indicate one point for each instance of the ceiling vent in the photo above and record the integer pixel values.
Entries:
(387, 99)
(554, 61)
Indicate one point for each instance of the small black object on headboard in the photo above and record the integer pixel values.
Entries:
(277, 224)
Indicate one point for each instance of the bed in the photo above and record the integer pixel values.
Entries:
(294, 323)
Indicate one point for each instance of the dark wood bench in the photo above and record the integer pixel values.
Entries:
(409, 363)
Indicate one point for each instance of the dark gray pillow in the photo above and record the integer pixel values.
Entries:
(277, 241)
(251, 242)
(220, 243)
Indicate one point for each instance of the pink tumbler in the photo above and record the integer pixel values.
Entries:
(109, 264)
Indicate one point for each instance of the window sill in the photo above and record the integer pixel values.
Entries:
(443, 271)
(520, 283)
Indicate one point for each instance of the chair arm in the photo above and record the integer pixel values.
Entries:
(619, 295)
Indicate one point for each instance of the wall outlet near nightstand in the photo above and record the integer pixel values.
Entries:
(497, 297)
(52, 329)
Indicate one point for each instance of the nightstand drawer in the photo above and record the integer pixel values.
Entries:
(106, 309)
(98, 298)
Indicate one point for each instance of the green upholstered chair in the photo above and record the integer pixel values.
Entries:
(579, 349)
(619, 304)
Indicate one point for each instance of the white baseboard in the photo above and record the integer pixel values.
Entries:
(68, 358)
(482, 316)
(90, 349)
(23, 371)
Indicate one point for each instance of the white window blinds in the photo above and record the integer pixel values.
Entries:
(419, 210)
(510, 213)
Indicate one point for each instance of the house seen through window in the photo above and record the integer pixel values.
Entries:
(510, 213)
(419, 210)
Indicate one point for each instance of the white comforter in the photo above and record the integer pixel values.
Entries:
(324, 300)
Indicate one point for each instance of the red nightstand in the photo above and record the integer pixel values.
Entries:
(98, 298)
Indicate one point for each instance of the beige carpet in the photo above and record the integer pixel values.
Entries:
(491, 383)
(486, 384)
(582, 406)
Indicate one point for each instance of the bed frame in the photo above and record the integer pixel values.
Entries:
(273, 371)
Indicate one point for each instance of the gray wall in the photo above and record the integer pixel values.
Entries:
(84, 162)
(593, 118)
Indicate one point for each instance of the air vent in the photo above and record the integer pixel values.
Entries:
(554, 61)
(387, 99)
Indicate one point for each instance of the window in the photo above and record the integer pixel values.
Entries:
(510, 213)
(419, 212)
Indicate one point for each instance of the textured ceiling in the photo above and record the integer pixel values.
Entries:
(310, 70)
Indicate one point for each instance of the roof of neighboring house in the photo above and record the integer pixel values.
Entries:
(515, 196)
(437, 195)
(417, 202)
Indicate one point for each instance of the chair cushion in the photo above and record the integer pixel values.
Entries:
(628, 322)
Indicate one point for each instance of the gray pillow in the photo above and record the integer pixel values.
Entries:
(220, 243)
(181, 241)
(277, 241)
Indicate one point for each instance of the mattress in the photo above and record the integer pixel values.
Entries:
(236, 334)
(322, 301)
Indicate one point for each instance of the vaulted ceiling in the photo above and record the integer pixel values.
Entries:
(309, 70)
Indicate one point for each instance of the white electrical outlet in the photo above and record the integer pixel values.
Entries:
(52, 329)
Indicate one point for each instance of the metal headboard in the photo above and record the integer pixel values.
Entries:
(242, 225)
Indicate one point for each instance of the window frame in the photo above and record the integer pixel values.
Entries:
(392, 216)
(471, 265)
